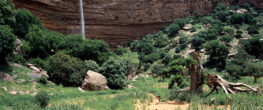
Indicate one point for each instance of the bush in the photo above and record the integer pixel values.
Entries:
(92, 65)
(7, 39)
(131, 61)
(7, 10)
(254, 46)
(24, 20)
(121, 50)
(238, 34)
(17, 59)
(115, 72)
(183, 41)
(254, 69)
(229, 31)
(161, 41)
(88, 49)
(43, 80)
(234, 70)
(237, 18)
(42, 98)
(38, 62)
(172, 30)
(226, 38)
(217, 54)
(197, 43)
(252, 30)
(66, 70)
(41, 42)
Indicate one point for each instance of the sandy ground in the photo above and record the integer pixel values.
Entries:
(172, 105)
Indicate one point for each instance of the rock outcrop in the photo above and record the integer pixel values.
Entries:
(117, 21)
(94, 81)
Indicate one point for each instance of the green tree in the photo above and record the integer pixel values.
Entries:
(92, 65)
(24, 20)
(226, 38)
(254, 69)
(7, 39)
(42, 98)
(237, 18)
(172, 30)
(115, 72)
(7, 10)
(217, 54)
(254, 46)
(41, 42)
(235, 71)
(197, 43)
(66, 70)
(252, 30)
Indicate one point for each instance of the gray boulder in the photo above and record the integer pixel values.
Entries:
(94, 81)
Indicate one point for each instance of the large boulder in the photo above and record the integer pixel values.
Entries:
(94, 81)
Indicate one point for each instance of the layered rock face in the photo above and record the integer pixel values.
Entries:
(116, 21)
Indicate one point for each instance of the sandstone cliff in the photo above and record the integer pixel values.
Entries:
(117, 21)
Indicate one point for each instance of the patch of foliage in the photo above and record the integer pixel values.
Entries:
(42, 98)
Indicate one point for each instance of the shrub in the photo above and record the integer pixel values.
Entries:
(161, 41)
(183, 41)
(41, 43)
(92, 65)
(66, 70)
(24, 20)
(238, 34)
(88, 49)
(252, 30)
(38, 62)
(121, 50)
(17, 59)
(42, 80)
(237, 18)
(229, 31)
(7, 39)
(234, 70)
(115, 72)
(42, 98)
(217, 54)
(180, 22)
(7, 10)
(131, 61)
(197, 43)
(172, 30)
(254, 46)
(254, 69)
(226, 38)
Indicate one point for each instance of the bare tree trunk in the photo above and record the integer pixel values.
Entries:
(195, 85)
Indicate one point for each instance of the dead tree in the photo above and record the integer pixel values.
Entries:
(195, 70)
(215, 80)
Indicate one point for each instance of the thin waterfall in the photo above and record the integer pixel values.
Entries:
(82, 19)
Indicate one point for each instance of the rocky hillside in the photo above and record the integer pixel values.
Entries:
(116, 21)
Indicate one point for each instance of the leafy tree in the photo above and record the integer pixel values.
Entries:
(183, 41)
(238, 34)
(121, 50)
(131, 61)
(197, 43)
(7, 39)
(235, 70)
(254, 46)
(254, 69)
(217, 54)
(161, 41)
(115, 72)
(7, 10)
(229, 31)
(24, 20)
(66, 70)
(180, 22)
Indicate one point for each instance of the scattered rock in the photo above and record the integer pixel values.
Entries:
(94, 81)
(187, 27)
(80, 89)
(34, 94)
(34, 75)
(44, 73)
(5, 89)
(17, 65)
(21, 92)
(6, 77)
(130, 86)
(13, 92)
(21, 81)
(33, 67)
(27, 92)
(51, 83)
